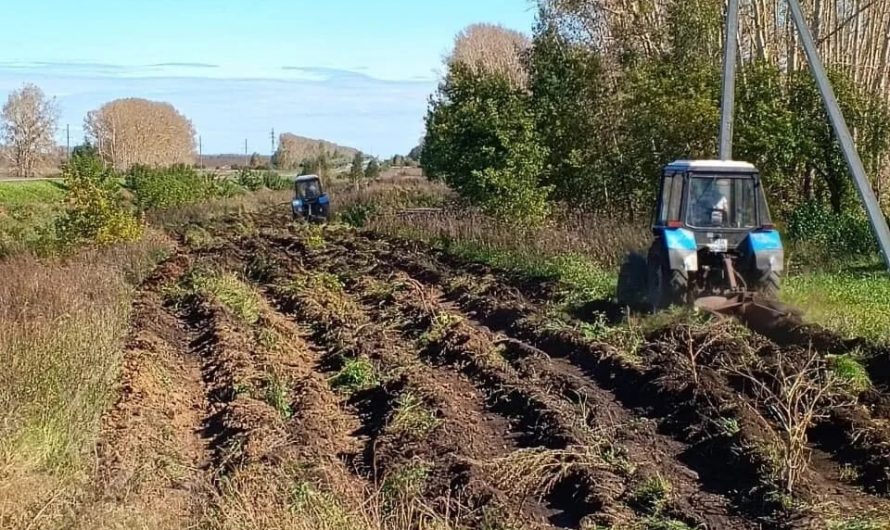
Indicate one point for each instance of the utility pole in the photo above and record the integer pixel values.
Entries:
(730, 60)
(246, 156)
(842, 132)
(200, 152)
(67, 142)
(272, 152)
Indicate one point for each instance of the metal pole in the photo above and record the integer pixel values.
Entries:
(201, 152)
(730, 60)
(866, 193)
(68, 142)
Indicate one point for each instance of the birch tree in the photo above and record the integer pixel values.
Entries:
(27, 128)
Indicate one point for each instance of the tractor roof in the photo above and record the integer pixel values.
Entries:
(717, 166)
(306, 178)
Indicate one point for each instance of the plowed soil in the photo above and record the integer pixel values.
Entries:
(379, 377)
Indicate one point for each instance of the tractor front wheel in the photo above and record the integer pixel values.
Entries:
(667, 286)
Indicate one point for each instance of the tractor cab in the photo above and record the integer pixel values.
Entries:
(713, 234)
(310, 202)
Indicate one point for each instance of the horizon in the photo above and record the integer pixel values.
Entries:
(354, 74)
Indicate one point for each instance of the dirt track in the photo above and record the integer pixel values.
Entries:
(479, 410)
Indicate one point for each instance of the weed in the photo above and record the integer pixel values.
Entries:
(231, 292)
(197, 237)
(356, 374)
(407, 482)
(859, 523)
(278, 395)
(441, 321)
(268, 338)
(728, 427)
(851, 372)
(313, 237)
(323, 508)
(652, 495)
(413, 418)
(536, 472)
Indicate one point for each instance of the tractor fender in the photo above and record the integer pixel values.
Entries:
(765, 250)
(681, 249)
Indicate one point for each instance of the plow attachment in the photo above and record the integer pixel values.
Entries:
(755, 311)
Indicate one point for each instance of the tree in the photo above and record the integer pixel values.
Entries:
(491, 50)
(482, 141)
(128, 132)
(358, 169)
(27, 126)
(373, 169)
(416, 153)
(96, 212)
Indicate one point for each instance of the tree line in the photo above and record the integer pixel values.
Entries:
(605, 92)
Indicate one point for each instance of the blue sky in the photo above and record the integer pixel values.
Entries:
(357, 72)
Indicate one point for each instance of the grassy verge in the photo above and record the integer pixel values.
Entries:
(27, 209)
(854, 303)
(62, 324)
(17, 194)
(581, 254)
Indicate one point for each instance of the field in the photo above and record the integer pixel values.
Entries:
(291, 376)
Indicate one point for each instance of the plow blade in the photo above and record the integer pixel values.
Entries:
(755, 311)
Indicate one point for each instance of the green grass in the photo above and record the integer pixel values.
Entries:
(582, 279)
(855, 304)
(652, 495)
(19, 194)
(851, 371)
(413, 418)
(27, 213)
(356, 375)
(231, 292)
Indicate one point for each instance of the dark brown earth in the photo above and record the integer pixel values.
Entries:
(482, 409)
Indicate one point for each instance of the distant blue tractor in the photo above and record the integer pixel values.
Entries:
(310, 203)
(715, 245)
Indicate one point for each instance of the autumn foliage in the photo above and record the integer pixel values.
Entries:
(130, 132)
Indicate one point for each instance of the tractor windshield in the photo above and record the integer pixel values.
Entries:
(721, 202)
(308, 189)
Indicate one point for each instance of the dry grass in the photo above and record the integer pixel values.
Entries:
(604, 242)
(61, 328)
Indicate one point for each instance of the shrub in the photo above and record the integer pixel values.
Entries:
(250, 179)
(841, 234)
(274, 181)
(95, 212)
(165, 188)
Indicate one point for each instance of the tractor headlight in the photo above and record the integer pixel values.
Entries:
(690, 262)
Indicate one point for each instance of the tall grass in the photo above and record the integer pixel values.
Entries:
(582, 252)
(62, 324)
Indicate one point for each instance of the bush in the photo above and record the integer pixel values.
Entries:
(274, 181)
(843, 234)
(250, 179)
(165, 188)
(95, 213)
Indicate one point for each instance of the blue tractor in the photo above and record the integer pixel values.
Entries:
(715, 245)
(310, 202)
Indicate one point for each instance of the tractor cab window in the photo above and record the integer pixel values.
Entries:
(721, 202)
(671, 198)
(308, 189)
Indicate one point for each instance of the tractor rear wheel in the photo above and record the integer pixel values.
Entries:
(770, 285)
(667, 286)
(631, 291)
